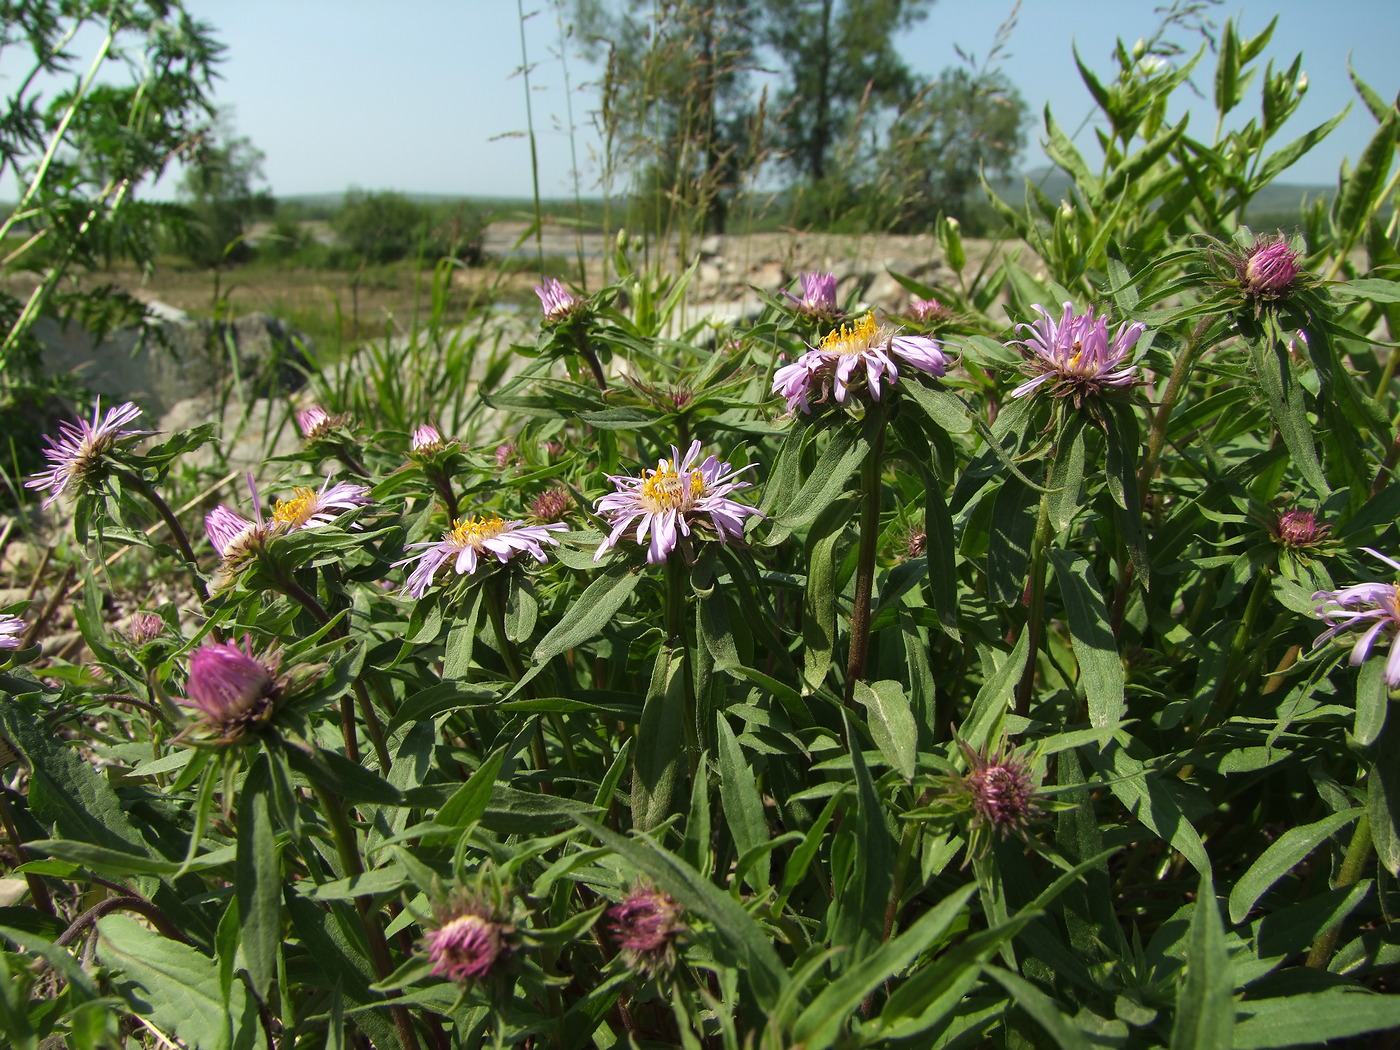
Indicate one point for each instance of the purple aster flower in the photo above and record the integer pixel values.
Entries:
(468, 543)
(307, 507)
(926, 311)
(671, 499)
(1269, 269)
(557, 302)
(231, 688)
(1374, 606)
(81, 445)
(1076, 358)
(12, 630)
(859, 355)
(466, 947)
(315, 422)
(426, 440)
(645, 926)
(818, 299)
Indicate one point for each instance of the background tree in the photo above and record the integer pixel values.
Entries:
(221, 197)
(838, 62)
(965, 123)
(676, 107)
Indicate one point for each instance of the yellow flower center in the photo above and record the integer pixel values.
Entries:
(297, 510)
(852, 338)
(663, 490)
(474, 530)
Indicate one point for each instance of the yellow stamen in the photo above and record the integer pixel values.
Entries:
(852, 338)
(298, 509)
(663, 490)
(474, 530)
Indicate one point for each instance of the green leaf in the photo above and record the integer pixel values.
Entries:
(1066, 477)
(996, 694)
(591, 610)
(1279, 859)
(1372, 702)
(1205, 1007)
(1100, 665)
(891, 723)
(743, 805)
(859, 908)
(1043, 1010)
(1141, 790)
(1312, 1019)
(819, 598)
(1227, 71)
(177, 988)
(658, 749)
(1272, 366)
(350, 780)
(837, 465)
(820, 1025)
(258, 880)
(1361, 190)
(468, 803)
(65, 792)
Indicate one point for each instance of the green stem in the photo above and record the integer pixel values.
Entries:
(1226, 698)
(1176, 386)
(347, 849)
(1035, 604)
(1353, 864)
(676, 585)
(870, 478)
(590, 355)
(495, 610)
(177, 531)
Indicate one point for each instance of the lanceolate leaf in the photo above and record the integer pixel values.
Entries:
(1100, 665)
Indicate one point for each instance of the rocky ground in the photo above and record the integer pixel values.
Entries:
(732, 266)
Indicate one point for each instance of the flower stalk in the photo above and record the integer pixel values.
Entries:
(870, 485)
(1353, 865)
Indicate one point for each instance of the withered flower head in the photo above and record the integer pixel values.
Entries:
(645, 926)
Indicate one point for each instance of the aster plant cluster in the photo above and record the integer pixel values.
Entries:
(647, 679)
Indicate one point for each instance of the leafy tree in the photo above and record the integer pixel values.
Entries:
(81, 152)
(965, 123)
(839, 61)
(380, 227)
(222, 199)
(676, 107)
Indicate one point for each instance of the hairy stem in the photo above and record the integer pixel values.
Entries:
(1353, 864)
(870, 476)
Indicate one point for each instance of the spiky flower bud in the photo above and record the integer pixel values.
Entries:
(645, 926)
(232, 689)
(467, 946)
(144, 627)
(551, 504)
(1297, 529)
(1269, 269)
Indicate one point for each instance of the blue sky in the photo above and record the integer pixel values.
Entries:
(426, 95)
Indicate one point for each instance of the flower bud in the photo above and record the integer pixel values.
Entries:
(645, 926)
(231, 688)
(467, 946)
(144, 627)
(426, 440)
